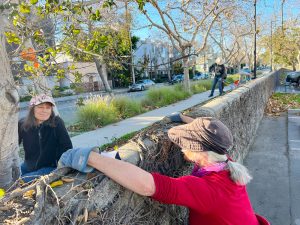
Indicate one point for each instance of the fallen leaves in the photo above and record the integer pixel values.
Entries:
(279, 103)
(56, 183)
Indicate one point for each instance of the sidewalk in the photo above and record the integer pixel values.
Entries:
(274, 162)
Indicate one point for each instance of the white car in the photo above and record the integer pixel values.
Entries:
(141, 85)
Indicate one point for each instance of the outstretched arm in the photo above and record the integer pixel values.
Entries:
(186, 119)
(124, 173)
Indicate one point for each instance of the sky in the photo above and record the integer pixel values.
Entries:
(267, 10)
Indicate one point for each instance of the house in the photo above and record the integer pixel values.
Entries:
(152, 58)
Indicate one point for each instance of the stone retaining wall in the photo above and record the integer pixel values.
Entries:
(242, 110)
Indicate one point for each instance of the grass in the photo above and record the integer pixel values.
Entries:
(158, 97)
(281, 102)
(292, 100)
(116, 142)
(201, 86)
(98, 111)
(127, 107)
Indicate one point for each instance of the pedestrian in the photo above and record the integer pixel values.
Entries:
(214, 192)
(219, 71)
(44, 137)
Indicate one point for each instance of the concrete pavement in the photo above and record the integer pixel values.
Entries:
(294, 163)
(274, 162)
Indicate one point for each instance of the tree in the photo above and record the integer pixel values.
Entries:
(228, 36)
(285, 46)
(9, 158)
(185, 23)
(24, 30)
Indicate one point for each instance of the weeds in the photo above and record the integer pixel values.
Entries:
(201, 86)
(116, 142)
(158, 97)
(127, 107)
(281, 102)
(98, 111)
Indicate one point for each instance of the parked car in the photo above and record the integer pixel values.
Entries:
(177, 78)
(246, 70)
(293, 77)
(141, 85)
(198, 76)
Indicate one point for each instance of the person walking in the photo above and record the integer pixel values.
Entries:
(44, 137)
(214, 192)
(219, 71)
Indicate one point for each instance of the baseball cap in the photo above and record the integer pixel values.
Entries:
(39, 99)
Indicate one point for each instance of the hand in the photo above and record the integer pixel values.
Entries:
(175, 117)
(77, 158)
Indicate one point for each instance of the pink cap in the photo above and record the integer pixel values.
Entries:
(39, 99)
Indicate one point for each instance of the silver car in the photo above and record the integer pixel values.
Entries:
(141, 85)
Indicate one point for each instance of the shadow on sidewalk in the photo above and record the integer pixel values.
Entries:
(268, 162)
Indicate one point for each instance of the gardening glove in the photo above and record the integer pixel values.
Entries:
(77, 158)
(175, 117)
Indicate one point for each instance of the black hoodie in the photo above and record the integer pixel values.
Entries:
(43, 144)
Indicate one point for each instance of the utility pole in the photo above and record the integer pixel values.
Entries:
(282, 29)
(271, 49)
(130, 43)
(255, 31)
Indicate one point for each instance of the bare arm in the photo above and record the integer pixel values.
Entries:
(124, 173)
(186, 119)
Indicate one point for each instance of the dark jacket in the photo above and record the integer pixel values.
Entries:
(43, 145)
(219, 70)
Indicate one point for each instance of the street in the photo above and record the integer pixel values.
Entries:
(67, 109)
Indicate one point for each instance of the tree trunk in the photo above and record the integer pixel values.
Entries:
(102, 71)
(186, 81)
(9, 158)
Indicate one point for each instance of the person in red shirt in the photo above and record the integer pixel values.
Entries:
(214, 192)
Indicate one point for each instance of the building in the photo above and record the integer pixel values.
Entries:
(152, 59)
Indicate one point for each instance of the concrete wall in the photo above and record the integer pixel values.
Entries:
(241, 110)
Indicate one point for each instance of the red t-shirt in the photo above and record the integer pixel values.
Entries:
(213, 199)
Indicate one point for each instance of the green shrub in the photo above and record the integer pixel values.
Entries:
(206, 83)
(200, 86)
(231, 78)
(127, 107)
(25, 98)
(97, 112)
(77, 87)
(158, 97)
(56, 93)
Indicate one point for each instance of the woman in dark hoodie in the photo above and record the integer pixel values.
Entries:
(44, 137)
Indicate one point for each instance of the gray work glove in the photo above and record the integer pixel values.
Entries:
(175, 117)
